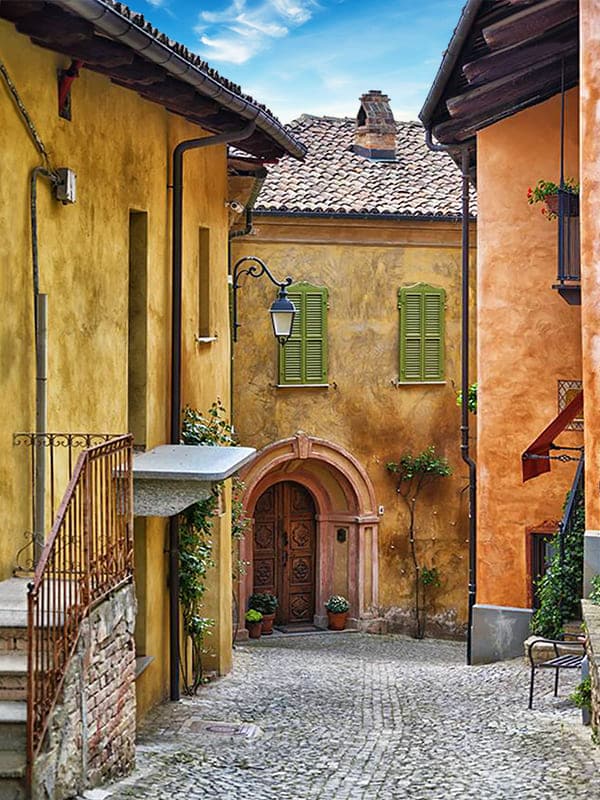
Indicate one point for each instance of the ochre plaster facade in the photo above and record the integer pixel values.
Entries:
(120, 146)
(363, 417)
(528, 339)
(590, 251)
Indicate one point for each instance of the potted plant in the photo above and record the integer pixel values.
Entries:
(266, 603)
(337, 612)
(547, 192)
(254, 623)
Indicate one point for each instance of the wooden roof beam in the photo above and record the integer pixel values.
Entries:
(53, 25)
(94, 52)
(531, 23)
(459, 130)
(511, 87)
(563, 42)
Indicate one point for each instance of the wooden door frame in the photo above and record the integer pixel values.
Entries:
(292, 460)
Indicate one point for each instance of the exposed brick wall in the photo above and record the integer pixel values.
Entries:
(91, 734)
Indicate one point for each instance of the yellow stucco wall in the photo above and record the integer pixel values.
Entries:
(363, 264)
(528, 340)
(120, 146)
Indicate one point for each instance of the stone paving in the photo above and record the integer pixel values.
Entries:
(356, 717)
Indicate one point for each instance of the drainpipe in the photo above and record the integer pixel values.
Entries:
(464, 426)
(40, 315)
(177, 251)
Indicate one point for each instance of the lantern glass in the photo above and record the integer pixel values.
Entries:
(282, 313)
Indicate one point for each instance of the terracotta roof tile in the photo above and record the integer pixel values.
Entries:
(332, 179)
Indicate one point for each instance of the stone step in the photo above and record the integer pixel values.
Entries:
(13, 724)
(13, 676)
(13, 765)
(11, 789)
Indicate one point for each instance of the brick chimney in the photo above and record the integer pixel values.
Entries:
(375, 134)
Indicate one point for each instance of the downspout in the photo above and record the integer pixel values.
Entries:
(464, 426)
(40, 316)
(177, 250)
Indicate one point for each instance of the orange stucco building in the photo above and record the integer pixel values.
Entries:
(514, 119)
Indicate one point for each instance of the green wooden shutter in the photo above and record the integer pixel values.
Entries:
(291, 354)
(421, 333)
(315, 337)
(433, 333)
(303, 358)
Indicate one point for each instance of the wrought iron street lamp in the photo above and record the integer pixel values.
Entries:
(282, 309)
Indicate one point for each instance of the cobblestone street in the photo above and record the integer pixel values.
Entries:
(359, 717)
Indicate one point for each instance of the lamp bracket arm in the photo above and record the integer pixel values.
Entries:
(256, 269)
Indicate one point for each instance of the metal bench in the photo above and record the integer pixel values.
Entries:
(561, 660)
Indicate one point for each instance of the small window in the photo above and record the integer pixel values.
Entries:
(421, 333)
(303, 358)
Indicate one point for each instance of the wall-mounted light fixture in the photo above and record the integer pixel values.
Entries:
(282, 309)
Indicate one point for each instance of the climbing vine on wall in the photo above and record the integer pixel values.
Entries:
(195, 542)
(413, 474)
(560, 589)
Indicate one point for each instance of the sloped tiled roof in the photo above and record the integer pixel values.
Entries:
(334, 180)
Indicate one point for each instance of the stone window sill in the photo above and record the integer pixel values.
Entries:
(302, 386)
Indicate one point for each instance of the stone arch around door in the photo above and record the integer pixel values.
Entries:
(346, 547)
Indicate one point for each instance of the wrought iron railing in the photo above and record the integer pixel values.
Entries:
(574, 500)
(51, 459)
(88, 554)
(569, 247)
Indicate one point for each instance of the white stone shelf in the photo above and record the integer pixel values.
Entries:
(170, 477)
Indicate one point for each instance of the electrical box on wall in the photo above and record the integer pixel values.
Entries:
(65, 188)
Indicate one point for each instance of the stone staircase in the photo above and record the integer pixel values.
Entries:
(13, 688)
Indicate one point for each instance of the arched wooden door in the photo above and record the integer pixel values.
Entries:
(284, 550)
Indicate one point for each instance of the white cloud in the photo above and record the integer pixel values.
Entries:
(156, 3)
(233, 50)
(241, 30)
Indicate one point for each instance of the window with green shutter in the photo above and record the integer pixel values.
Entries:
(303, 358)
(421, 333)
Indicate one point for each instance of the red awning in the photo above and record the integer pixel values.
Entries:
(532, 467)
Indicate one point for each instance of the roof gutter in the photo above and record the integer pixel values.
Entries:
(340, 215)
(462, 30)
(112, 23)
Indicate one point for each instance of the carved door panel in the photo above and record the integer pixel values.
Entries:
(298, 580)
(284, 550)
(265, 543)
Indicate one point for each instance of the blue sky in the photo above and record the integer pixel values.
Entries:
(315, 56)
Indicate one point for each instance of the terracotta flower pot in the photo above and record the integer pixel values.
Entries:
(254, 629)
(336, 621)
(267, 624)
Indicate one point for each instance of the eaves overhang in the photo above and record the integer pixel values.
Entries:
(106, 36)
(504, 56)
